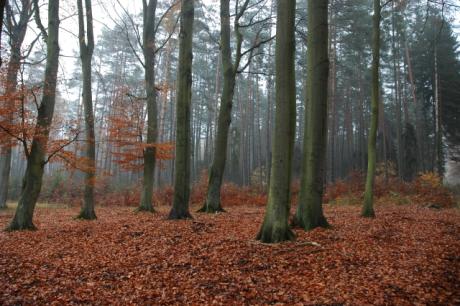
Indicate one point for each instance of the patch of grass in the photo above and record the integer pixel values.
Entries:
(348, 200)
(14, 205)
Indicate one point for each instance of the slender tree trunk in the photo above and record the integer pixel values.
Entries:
(86, 54)
(216, 173)
(309, 212)
(418, 123)
(368, 207)
(17, 35)
(180, 208)
(149, 151)
(438, 122)
(275, 227)
(23, 218)
(397, 89)
(333, 102)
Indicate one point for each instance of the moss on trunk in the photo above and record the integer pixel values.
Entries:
(275, 227)
(309, 213)
(180, 207)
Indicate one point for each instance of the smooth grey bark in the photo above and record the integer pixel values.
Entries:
(86, 54)
(32, 182)
(212, 203)
(368, 207)
(17, 32)
(152, 124)
(275, 227)
(229, 69)
(309, 213)
(180, 207)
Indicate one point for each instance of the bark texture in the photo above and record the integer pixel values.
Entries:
(86, 53)
(152, 125)
(275, 227)
(368, 207)
(180, 208)
(309, 212)
(213, 204)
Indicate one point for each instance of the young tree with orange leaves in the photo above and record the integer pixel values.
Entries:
(86, 54)
(32, 183)
(17, 30)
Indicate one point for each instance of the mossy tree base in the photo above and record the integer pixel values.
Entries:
(211, 209)
(86, 215)
(368, 212)
(275, 234)
(21, 226)
(179, 215)
(307, 224)
(148, 209)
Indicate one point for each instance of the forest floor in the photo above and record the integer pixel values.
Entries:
(407, 255)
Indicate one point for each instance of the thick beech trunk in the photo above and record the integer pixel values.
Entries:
(180, 208)
(275, 227)
(152, 125)
(309, 212)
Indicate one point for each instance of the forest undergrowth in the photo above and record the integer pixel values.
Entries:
(427, 189)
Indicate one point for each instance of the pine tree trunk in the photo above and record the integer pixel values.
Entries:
(149, 151)
(275, 227)
(397, 95)
(368, 207)
(309, 212)
(23, 218)
(86, 52)
(180, 208)
(438, 122)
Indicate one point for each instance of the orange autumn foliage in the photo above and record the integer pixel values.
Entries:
(18, 127)
(426, 189)
(126, 131)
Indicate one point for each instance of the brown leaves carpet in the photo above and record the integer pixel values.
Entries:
(407, 255)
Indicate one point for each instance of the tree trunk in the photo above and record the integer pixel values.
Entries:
(368, 207)
(438, 118)
(397, 95)
(275, 227)
(149, 151)
(32, 182)
(180, 208)
(309, 212)
(86, 54)
(17, 35)
(216, 174)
